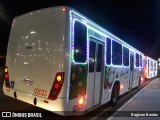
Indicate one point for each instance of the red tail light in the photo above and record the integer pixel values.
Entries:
(6, 77)
(57, 86)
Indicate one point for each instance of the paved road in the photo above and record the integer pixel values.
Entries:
(146, 101)
(10, 104)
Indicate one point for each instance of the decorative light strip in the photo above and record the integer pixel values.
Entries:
(85, 21)
(72, 39)
(70, 52)
(105, 31)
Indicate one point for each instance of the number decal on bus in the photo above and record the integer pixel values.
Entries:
(40, 92)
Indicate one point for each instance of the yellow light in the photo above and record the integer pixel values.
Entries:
(59, 78)
(6, 70)
(81, 101)
(141, 80)
(121, 86)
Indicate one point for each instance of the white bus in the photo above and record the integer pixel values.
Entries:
(59, 60)
(151, 67)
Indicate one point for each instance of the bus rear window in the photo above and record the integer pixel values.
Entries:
(80, 42)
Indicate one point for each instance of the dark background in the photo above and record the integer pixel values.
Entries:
(137, 22)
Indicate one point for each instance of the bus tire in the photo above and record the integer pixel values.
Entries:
(114, 95)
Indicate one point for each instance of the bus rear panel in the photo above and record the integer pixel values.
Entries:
(34, 70)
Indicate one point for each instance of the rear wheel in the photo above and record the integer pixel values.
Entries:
(115, 94)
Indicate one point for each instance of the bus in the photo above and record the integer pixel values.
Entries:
(158, 62)
(60, 60)
(151, 67)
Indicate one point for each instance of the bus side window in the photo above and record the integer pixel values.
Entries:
(125, 56)
(151, 65)
(92, 49)
(108, 53)
(80, 42)
(137, 60)
(99, 58)
(140, 60)
(155, 65)
(116, 53)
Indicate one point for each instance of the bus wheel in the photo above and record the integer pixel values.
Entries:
(115, 94)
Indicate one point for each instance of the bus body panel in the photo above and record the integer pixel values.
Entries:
(58, 106)
(114, 73)
(150, 67)
(36, 52)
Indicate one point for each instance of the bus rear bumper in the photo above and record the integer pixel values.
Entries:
(58, 106)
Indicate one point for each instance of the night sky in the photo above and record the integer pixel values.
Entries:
(137, 22)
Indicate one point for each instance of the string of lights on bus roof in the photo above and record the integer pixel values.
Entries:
(72, 22)
(86, 20)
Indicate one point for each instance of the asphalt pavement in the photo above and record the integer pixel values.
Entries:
(145, 105)
(10, 104)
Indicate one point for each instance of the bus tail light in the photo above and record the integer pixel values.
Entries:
(57, 86)
(6, 77)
